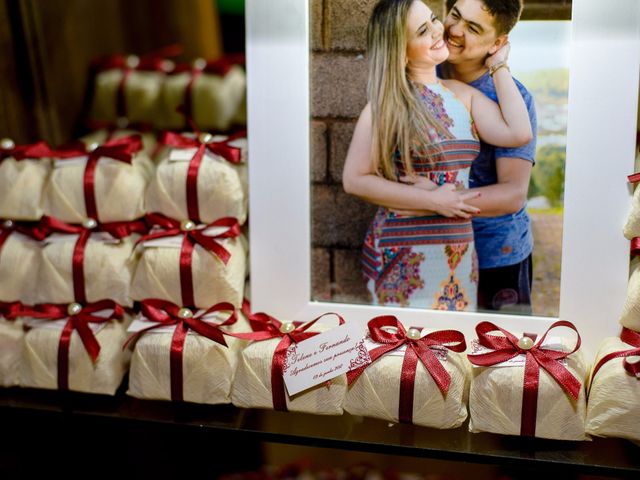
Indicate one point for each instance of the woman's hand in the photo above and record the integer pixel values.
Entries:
(501, 55)
(450, 202)
(418, 181)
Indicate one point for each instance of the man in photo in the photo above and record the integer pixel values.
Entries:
(474, 30)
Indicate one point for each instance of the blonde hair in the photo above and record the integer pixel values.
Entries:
(401, 120)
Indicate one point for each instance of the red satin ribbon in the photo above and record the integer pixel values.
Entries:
(23, 152)
(120, 149)
(634, 177)
(222, 148)
(266, 327)
(635, 246)
(419, 349)
(506, 348)
(633, 339)
(165, 314)
(172, 228)
(117, 230)
(80, 323)
(11, 310)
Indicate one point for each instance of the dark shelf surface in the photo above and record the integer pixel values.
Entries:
(607, 457)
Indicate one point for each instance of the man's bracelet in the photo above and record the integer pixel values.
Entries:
(494, 68)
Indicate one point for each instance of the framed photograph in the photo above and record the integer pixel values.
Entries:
(285, 119)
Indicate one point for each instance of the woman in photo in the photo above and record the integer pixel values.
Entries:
(415, 124)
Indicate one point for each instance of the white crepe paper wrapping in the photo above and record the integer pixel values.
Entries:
(108, 269)
(613, 409)
(11, 345)
(215, 99)
(20, 261)
(157, 274)
(21, 185)
(142, 92)
(376, 392)
(632, 227)
(39, 366)
(119, 189)
(149, 141)
(207, 367)
(252, 383)
(495, 401)
(221, 186)
(630, 316)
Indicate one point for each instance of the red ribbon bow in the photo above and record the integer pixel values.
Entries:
(633, 339)
(506, 347)
(266, 327)
(222, 148)
(120, 149)
(22, 152)
(192, 236)
(117, 230)
(165, 314)
(78, 321)
(417, 349)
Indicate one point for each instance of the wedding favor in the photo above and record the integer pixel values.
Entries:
(75, 347)
(11, 343)
(87, 265)
(211, 93)
(630, 316)
(23, 172)
(613, 409)
(99, 183)
(191, 265)
(524, 387)
(128, 88)
(20, 259)
(259, 381)
(200, 178)
(416, 377)
(183, 355)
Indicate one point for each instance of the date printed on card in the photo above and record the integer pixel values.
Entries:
(324, 356)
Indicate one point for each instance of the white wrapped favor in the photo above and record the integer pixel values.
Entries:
(496, 394)
(220, 185)
(141, 91)
(23, 173)
(11, 345)
(630, 316)
(216, 98)
(376, 391)
(20, 260)
(207, 366)
(252, 384)
(39, 365)
(613, 409)
(118, 186)
(157, 274)
(108, 268)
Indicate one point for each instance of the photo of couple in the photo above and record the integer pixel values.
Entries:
(444, 149)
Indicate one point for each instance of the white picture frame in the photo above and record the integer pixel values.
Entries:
(603, 103)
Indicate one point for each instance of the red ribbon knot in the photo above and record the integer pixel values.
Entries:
(11, 310)
(165, 313)
(631, 338)
(266, 327)
(78, 318)
(193, 234)
(120, 149)
(537, 356)
(388, 331)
